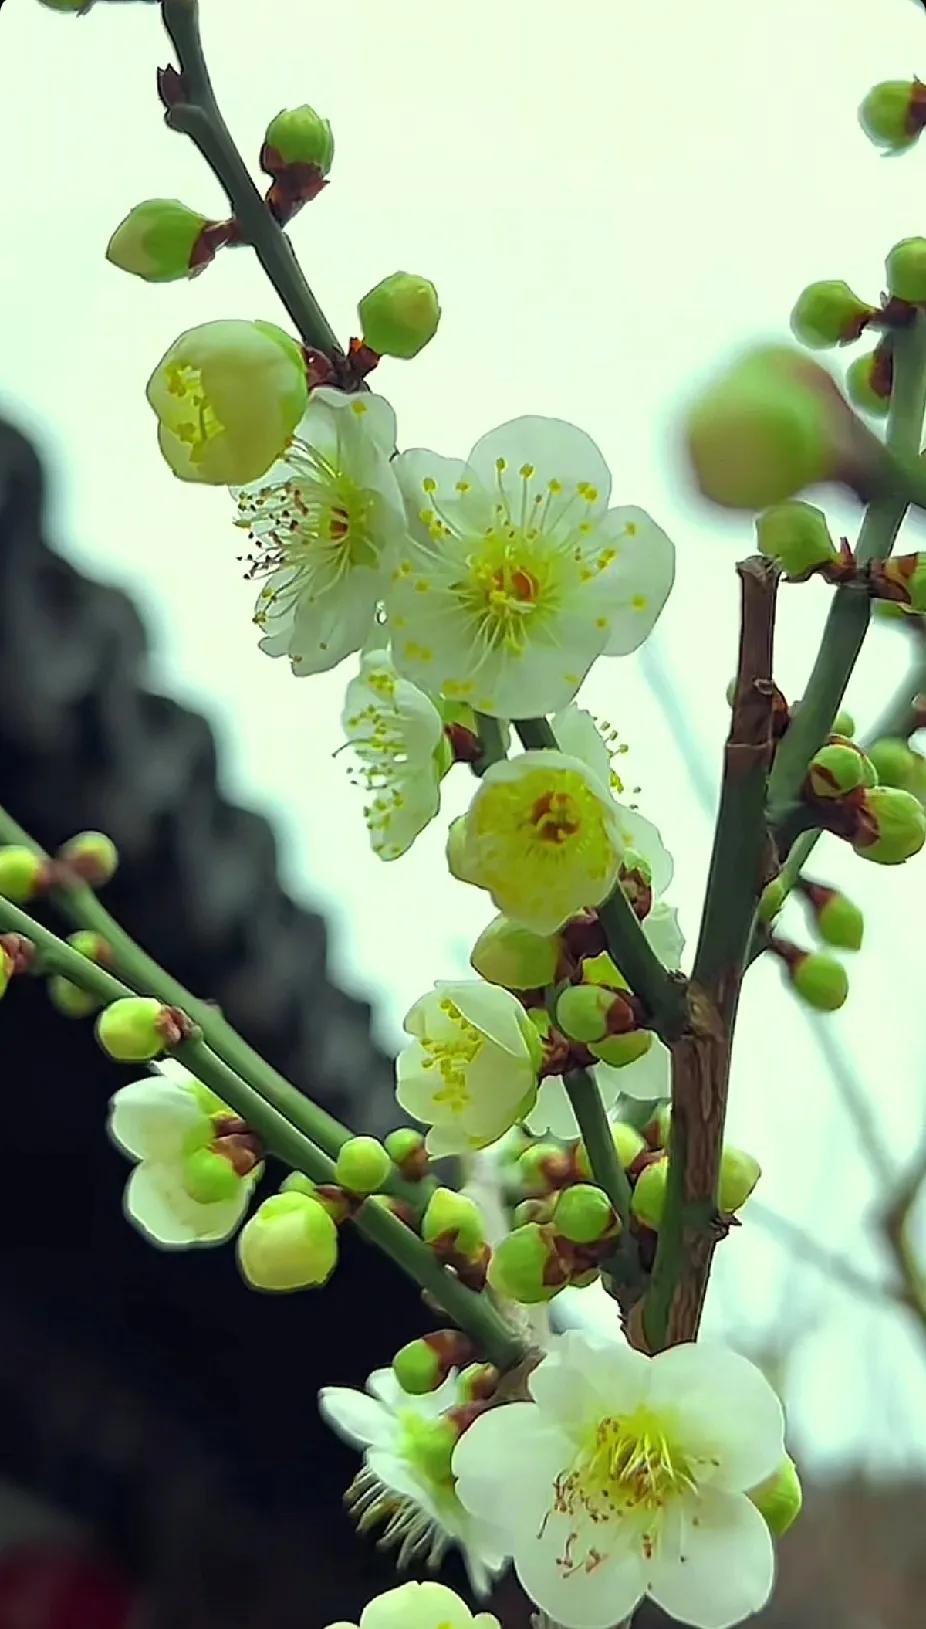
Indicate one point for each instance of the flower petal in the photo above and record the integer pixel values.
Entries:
(553, 1112)
(645, 569)
(532, 1452)
(586, 1596)
(157, 1203)
(155, 1118)
(586, 1373)
(727, 1411)
(646, 1079)
(417, 1606)
(360, 1420)
(715, 1561)
(578, 736)
(663, 934)
(556, 451)
(642, 835)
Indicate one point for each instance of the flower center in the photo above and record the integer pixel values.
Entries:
(204, 425)
(452, 1054)
(555, 816)
(507, 583)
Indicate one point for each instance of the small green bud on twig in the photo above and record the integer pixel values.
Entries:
(400, 315)
(780, 1497)
(290, 1243)
(829, 313)
(362, 1165)
(893, 113)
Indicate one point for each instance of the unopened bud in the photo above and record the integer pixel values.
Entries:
(542, 1168)
(628, 1145)
(901, 578)
(131, 1029)
(838, 768)
(400, 315)
(839, 921)
(455, 1220)
(603, 970)
(290, 1243)
(648, 1200)
(869, 381)
(526, 1265)
(362, 1165)
(582, 1011)
(534, 1210)
(771, 900)
(584, 1214)
(895, 761)
(515, 958)
(70, 1000)
(478, 1382)
(424, 1364)
(739, 1174)
(92, 856)
(844, 724)
(456, 849)
(820, 980)
(406, 1148)
(797, 536)
(893, 113)
(619, 1050)
(208, 1177)
(894, 826)
(21, 872)
(158, 241)
(829, 313)
(780, 1497)
(298, 135)
(656, 1131)
(906, 270)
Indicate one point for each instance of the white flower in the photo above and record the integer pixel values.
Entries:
(627, 1476)
(518, 575)
(420, 1606)
(398, 736)
(470, 1071)
(322, 524)
(406, 1482)
(162, 1121)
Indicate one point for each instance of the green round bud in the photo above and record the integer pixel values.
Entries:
(771, 900)
(456, 849)
(455, 1214)
(70, 1000)
(865, 387)
(299, 135)
(400, 315)
(515, 958)
(906, 270)
(844, 724)
(828, 313)
(92, 945)
(797, 536)
(779, 1499)
(841, 923)
(916, 585)
(582, 1011)
(899, 824)
(821, 981)
(93, 856)
(129, 1029)
(889, 114)
(541, 1167)
(533, 1210)
(603, 970)
(656, 1131)
(838, 768)
(362, 1165)
(478, 1381)
(648, 1200)
(525, 1265)
(20, 872)
(74, 6)
(407, 1149)
(298, 1182)
(894, 760)
(156, 241)
(417, 1368)
(208, 1177)
(628, 1144)
(290, 1243)
(619, 1050)
(584, 1214)
(739, 1174)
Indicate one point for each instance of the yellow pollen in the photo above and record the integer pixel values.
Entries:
(555, 816)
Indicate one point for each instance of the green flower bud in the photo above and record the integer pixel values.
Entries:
(130, 1029)
(838, 768)
(70, 1000)
(601, 969)
(542, 1167)
(92, 855)
(298, 1182)
(869, 385)
(894, 760)
(895, 826)
(828, 313)
(841, 923)
(21, 872)
(456, 849)
(478, 1382)
(582, 1011)
(515, 958)
(797, 536)
(892, 114)
(290, 1243)
(656, 1131)
(770, 425)
(362, 1165)
(400, 315)
(618, 1050)
(628, 1144)
(419, 1368)
(75, 6)
(779, 1499)
(208, 1177)
(771, 900)
(844, 724)
(906, 270)
(298, 135)
(456, 1216)
(820, 980)
(406, 1148)
(6, 971)
(534, 1210)
(584, 1214)
(648, 1200)
(739, 1174)
(526, 1266)
(157, 241)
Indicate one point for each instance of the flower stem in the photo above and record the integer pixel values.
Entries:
(491, 740)
(474, 1313)
(662, 993)
(535, 732)
(199, 117)
(595, 1127)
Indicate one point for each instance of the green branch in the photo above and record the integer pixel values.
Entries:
(607, 1170)
(535, 732)
(199, 117)
(662, 993)
(474, 1313)
(492, 741)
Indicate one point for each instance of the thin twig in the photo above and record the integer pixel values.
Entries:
(838, 1269)
(895, 1226)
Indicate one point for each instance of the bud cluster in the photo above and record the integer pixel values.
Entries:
(885, 824)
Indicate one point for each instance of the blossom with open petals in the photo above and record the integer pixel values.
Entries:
(406, 1485)
(195, 1172)
(322, 524)
(420, 1606)
(627, 1476)
(518, 575)
(470, 1070)
(397, 736)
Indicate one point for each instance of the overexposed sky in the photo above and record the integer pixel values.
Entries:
(609, 196)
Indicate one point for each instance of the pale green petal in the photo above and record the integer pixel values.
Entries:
(156, 1118)
(157, 1203)
(556, 451)
(642, 577)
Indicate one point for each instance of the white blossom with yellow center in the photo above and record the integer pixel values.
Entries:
(420, 1606)
(406, 1488)
(518, 574)
(470, 1070)
(627, 1476)
(398, 739)
(542, 836)
(323, 525)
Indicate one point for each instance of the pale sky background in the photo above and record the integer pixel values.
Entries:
(610, 196)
